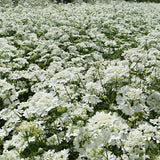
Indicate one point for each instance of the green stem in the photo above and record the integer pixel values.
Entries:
(81, 81)
(67, 93)
(101, 81)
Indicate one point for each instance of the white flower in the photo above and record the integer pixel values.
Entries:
(68, 75)
(53, 140)
(102, 129)
(10, 155)
(116, 73)
(94, 88)
(62, 155)
(154, 101)
(40, 104)
(7, 92)
(130, 100)
(110, 43)
(48, 155)
(2, 133)
(139, 140)
(92, 99)
(17, 141)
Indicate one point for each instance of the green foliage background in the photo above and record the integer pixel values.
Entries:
(155, 1)
(44, 2)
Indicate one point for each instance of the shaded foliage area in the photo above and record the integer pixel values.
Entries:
(15, 2)
(155, 1)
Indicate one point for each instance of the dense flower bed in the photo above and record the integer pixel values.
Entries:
(80, 82)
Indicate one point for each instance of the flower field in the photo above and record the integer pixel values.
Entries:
(80, 82)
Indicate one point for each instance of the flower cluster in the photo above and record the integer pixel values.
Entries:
(80, 81)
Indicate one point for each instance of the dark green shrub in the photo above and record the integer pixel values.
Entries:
(155, 1)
